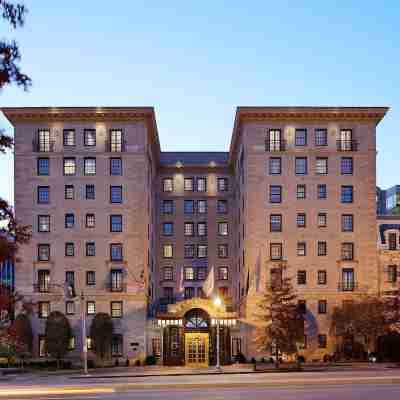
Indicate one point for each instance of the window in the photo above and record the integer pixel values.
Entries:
(44, 144)
(275, 223)
(90, 308)
(116, 223)
(223, 273)
(301, 220)
(116, 194)
(69, 137)
(43, 309)
(321, 277)
(322, 341)
(274, 141)
(116, 252)
(189, 292)
(69, 220)
(222, 250)
(301, 192)
(348, 283)
(71, 343)
(275, 165)
(322, 249)
(90, 249)
(168, 228)
(70, 307)
(222, 206)
(322, 306)
(345, 142)
(168, 185)
(347, 194)
(168, 251)
(322, 220)
(275, 194)
(69, 249)
(392, 273)
(301, 277)
(302, 306)
(89, 137)
(43, 223)
(347, 251)
(69, 166)
(43, 167)
(43, 194)
(70, 278)
(301, 248)
(90, 220)
(43, 281)
(90, 278)
(116, 140)
(201, 274)
(188, 251)
(222, 184)
(42, 346)
(115, 166)
(321, 137)
(189, 229)
(201, 184)
(392, 241)
(202, 228)
(222, 228)
(301, 137)
(189, 273)
(275, 278)
(301, 165)
(69, 192)
(202, 206)
(202, 251)
(321, 166)
(322, 192)
(89, 166)
(168, 274)
(346, 166)
(188, 184)
(43, 252)
(89, 343)
(276, 251)
(189, 206)
(167, 207)
(116, 309)
(347, 223)
(90, 193)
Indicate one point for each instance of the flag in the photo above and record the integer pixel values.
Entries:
(179, 281)
(208, 286)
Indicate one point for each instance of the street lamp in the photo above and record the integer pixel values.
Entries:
(217, 304)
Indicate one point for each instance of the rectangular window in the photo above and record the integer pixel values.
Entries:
(168, 207)
(168, 228)
(116, 223)
(202, 228)
(116, 346)
(69, 221)
(69, 249)
(201, 274)
(115, 166)
(71, 344)
(70, 278)
(90, 220)
(43, 223)
(322, 249)
(348, 283)
(345, 142)
(201, 251)
(301, 220)
(301, 249)
(347, 194)
(392, 273)
(168, 185)
(43, 167)
(42, 346)
(189, 229)
(301, 277)
(321, 165)
(201, 184)
(116, 141)
(347, 251)
(223, 273)
(168, 251)
(322, 192)
(202, 206)
(189, 273)
(301, 192)
(223, 228)
(301, 137)
(346, 166)
(89, 137)
(69, 166)
(301, 165)
(392, 241)
(222, 184)
(189, 207)
(188, 184)
(347, 222)
(90, 249)
(302, 306)
(275, 194)
(189, 250)
(69, 307)
(322, 220)
(322, 306)
(90, 278)
(275, 223)
(276, 251)
(222, 206)
(69, 137)
(44, 143)
(222, 250)
(322, 341)
(115, 194)
(275, 165)
(116, 309)
(89, 164)
(116, 253)
(90, 193)
(321, 277)
(69, 192)
(43, 281)
(189, 292)
(321, 137)
(90, 308)
(43, 309)
(43, 194)
(274, 140)
(43, 252)
(168, 274)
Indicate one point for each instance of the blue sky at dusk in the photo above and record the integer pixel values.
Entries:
(195, 61)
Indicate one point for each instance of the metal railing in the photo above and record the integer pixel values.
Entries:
(347, 286)
(47, 147)
(275, 145)
(115, 147)
(346, 145)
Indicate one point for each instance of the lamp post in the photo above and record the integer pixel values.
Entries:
(217, 303)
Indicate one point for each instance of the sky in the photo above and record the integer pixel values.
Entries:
(196, 61)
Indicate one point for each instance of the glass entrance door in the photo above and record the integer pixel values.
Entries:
(196, 349)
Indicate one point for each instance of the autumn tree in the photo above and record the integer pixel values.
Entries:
(101, 332)
(280, 319)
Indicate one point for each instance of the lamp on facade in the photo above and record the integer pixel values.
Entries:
(217, 304)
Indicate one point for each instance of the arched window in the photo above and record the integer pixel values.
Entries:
(196, 318)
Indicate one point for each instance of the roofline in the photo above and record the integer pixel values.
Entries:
(301, 113)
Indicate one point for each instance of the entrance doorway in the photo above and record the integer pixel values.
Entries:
(196, 349)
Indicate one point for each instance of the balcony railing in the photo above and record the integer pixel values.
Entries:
(119, 288)
(42, 288)
(40, 147)
(274, 145)
(346, 145)
(115, 147)
(347, 286)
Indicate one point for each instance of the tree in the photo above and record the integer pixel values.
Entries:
(101, 332)
(57, 335)
(22, 329)
(281, 320)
